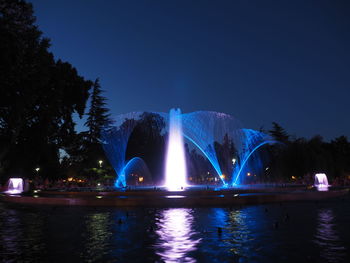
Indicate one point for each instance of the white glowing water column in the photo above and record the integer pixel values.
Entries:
(175, 171)
(321, 180)
(15, 186)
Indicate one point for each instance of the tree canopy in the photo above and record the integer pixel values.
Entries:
(39, 94)
(98, 115)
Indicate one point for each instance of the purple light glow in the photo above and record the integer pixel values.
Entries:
(327, 237)
(176, 235)
(321, 182)
(175, 172)
(14, 186)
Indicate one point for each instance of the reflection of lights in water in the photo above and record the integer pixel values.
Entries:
(240, 225)
(19, 239)
(176, 235)
(327, 238)
(97, 236)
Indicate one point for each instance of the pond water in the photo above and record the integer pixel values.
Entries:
(289, 232)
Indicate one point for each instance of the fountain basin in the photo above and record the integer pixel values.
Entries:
(213, 198)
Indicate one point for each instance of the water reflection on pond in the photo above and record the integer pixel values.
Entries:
(97, 236)
(238, 234)
(327, 238)
(176, 235)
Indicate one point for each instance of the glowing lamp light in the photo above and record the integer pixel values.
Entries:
(234, 161)
(37, 169)
(140, 179)
(100, 163)
(248, 174)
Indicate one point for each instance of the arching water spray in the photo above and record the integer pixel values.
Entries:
(236, 177)
(175, 171)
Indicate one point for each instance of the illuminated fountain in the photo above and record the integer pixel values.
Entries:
(115, 141)
(15, 186)
(250, 142)
(175, 173)
(321, 182)
(206, 130)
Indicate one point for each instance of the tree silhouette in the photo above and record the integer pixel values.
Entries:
(98, 115)
(38, 95)
(278, 133)
(87, 151)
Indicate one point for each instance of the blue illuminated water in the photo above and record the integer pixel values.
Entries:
(250, 143)
(292, 232)
(204, 129)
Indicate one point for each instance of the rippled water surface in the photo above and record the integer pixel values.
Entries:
(290, 232)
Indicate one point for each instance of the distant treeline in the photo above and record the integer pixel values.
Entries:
(303, 158)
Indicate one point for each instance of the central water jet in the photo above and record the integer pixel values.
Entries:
(175, 171)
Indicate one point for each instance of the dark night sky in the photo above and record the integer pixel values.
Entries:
(261, 61)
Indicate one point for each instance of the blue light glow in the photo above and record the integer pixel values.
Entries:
(207, 130)
(236, 177)
(115, 141)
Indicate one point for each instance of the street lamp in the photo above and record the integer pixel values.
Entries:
(37, 169)
(100, 163)
(234, 161)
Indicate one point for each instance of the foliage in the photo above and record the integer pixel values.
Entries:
(302, 158)
(278, 133)
(98, 115)
(38, 95)
(147, 142)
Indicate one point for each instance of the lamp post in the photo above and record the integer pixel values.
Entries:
(100, 163)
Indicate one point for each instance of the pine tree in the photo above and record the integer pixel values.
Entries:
(278, 133)
(98, 119)
(98, 115)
